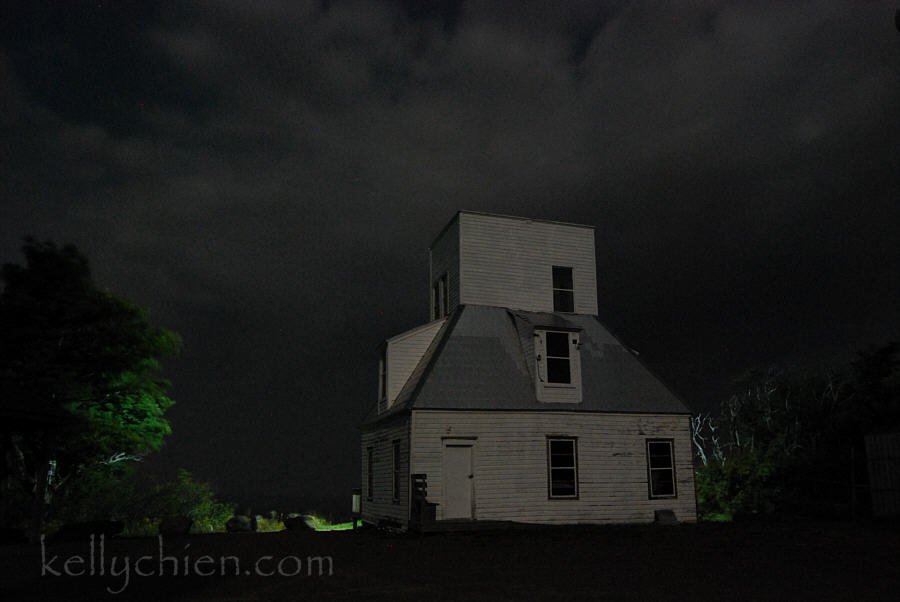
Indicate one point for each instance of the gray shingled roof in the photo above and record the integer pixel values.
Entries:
(482, 359)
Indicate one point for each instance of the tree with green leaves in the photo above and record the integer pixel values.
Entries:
(80, 380)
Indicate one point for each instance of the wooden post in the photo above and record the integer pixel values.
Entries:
(355, 508)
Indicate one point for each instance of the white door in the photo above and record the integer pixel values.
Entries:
(458, 479)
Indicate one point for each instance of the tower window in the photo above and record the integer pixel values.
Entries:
(563, 289)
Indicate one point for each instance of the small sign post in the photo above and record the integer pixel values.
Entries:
(357, 495)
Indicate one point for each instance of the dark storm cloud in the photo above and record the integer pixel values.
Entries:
(267, 176)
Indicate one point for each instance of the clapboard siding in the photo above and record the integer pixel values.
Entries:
(507, 262)
(510, 458)
(383, 507)
(444, 259)
(403, 353)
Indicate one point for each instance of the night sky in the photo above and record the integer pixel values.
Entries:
(265, 177)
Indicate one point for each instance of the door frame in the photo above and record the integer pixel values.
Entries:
(458, 441)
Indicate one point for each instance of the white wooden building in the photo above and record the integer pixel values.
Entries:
(514, 403)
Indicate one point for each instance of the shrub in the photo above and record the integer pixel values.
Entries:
(97, 492)
(113, 493)
(267, 525)
(748, 483)
(185, 497)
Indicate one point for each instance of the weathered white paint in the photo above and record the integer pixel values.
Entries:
(493, 465)
(510, 468)
(383, 506)
(457, 472)
(507, 262)
(403, 353)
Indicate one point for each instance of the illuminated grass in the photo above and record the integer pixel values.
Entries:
(317, 523)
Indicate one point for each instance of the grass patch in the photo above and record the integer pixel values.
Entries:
(317, 523)
(269, 525)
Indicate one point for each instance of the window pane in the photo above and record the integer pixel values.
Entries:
(395, 486)
(562, 459)
(557, 344)
(660, 454)
(436, 301)
(558, 370)
(661, 461)
(563, 301)
(562, 481)
(658, 448)
(661, 482)
(562, 277)
(370, 472)
(562, 447)
(563, 472)
(562, 454)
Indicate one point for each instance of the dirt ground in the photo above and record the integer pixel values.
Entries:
(741, 561)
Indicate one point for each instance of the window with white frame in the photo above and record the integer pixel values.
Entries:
(440, 297)
(435, 301)
(563, 289)
(559, 358)
(562, 467)
(557, 365)
(370, 473)
(660, 468)
(395, 471)
(382, 381)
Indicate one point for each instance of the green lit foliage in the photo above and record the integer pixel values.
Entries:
(100, 492)
(317, 523)
(269, 525)
(116, 492)
(787, 443)
(184, 497)
(747, 483)
(79, 372)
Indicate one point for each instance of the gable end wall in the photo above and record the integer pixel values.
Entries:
(404, 353)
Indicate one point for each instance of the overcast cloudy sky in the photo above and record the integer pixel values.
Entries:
(265, 177)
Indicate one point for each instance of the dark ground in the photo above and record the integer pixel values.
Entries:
(711, 561)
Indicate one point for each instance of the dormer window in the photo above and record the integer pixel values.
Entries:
(440, 302)
(563, 289)
(557, 365)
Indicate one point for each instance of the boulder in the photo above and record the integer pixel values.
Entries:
(175, 525)
(296, 523)
(240, 524)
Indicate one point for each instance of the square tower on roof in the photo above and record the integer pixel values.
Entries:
(513, 262)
